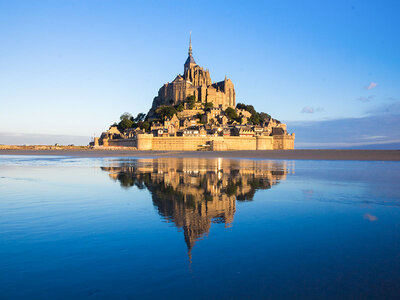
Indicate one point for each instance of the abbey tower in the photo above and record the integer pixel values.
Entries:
(197, 82)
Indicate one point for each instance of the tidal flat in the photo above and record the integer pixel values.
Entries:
(198, 228)
(297, 154)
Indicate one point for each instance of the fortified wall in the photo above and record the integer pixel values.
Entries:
(196, 143)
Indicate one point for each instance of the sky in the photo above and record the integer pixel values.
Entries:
(329, 69)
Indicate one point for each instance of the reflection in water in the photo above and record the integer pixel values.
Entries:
(195, 193)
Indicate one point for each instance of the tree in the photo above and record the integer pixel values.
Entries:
(166, 111)
(254, 119)
(179, 107)
(191, 100)
(240, 106)
(264, 117)
(124, 124)
(231, 113)
(145, 126)
(126, 115)
(250, 109)
(140, 117)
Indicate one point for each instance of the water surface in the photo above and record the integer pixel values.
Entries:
(198, 228)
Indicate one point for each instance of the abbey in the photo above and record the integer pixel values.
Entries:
(193, 113)
(195, 82)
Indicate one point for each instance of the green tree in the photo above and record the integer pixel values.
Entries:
(140, 117)
(145, 126)
(250, 109)
(179, 107)
(124, 124)
(231, 113)
(126, 115)
(166, 111)
(264, 117)
(241, 106)
(191, 100)
(254, 119)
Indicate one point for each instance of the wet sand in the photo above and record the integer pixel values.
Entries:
(370, 155)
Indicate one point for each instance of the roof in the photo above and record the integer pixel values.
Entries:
(190, 60)
(178, 78)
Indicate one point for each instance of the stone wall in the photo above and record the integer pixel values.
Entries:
(195, 143)
(186, 143)
(283, 142)
(122, 143)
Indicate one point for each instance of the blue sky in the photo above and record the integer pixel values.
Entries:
(73, 67)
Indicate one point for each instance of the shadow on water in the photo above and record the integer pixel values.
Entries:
(195, 193)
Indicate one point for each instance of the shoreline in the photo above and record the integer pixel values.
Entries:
(361, 155)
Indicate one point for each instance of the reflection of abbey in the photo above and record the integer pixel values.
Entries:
(194, 113)
(196, 193)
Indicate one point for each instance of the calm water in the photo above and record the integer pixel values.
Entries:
(198, 228)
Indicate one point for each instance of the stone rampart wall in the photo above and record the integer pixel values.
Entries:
(186, 143)
(240, 143)
(122, 143)
(217, 143)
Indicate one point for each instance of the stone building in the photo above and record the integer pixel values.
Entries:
(196, 82)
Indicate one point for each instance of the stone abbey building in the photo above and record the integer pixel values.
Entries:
(201, 115)
(197, 82)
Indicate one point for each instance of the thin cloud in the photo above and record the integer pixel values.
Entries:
(307, 110)
(374, 137)
(311, 110)
(343, 144)
(365, 99)
(366, 132)
(371, 86)
(385, 109)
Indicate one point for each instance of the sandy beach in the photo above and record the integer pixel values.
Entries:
(367, 155)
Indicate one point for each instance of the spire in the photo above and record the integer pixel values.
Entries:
(190, 44)
(190, 59)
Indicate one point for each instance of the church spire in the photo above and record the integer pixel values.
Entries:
(190, 44)
(190, 60)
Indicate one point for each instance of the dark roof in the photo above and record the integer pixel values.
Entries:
(178, 78)
(190, 60)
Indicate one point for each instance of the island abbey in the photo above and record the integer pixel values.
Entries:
(193, 113)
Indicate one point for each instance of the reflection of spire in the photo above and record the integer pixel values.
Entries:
(189, 238)
(190, 44)
(190, 241)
